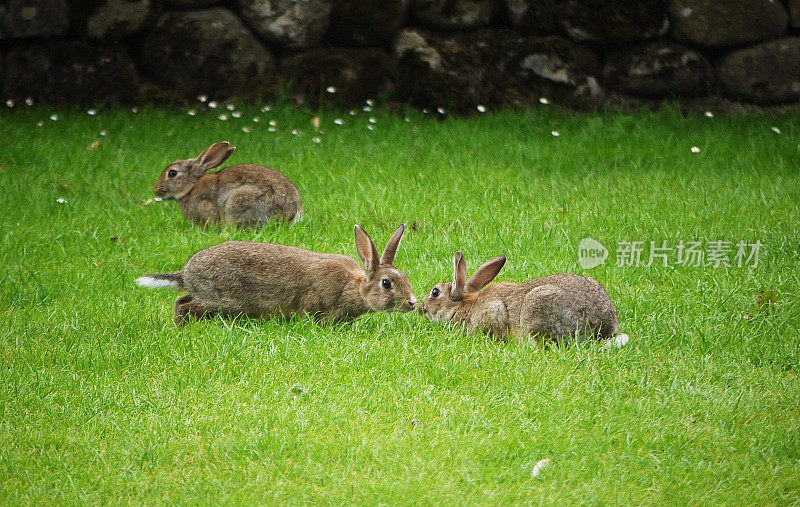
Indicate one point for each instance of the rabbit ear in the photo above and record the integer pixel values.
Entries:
(391, 247)
(213, 156)
(366, 250)
(459, 276)
(486, 273)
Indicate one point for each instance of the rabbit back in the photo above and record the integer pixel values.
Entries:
(267, 280)
(559, 305)
(247, 195)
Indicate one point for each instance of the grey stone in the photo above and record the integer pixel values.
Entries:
(456, 14)
(33, 18)
(659, 69)
(557, 68)
(458, 71)
(766, 73)
(206, 52)
(346, 76)
(69, 71)
(111, 19)
(613, 20)
(366, 22)
(726, 23)
(532, 16)
(292, 24)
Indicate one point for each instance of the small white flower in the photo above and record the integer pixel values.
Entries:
(317, 140)
(775, 129)
(295, 132)
(618, 341)
(352, 113)
(273, 123)
(103, 133)
(543, 100)
(331, 89)
(370, 102)
(40, 124)
(61, 200)
(230, 107)
(272, 129)
(425, 111)
(158, 199)
(266, 109)
(223, 117)
(256, 119)
(708, 114)
(29, 101)
(212, 104)
(10, 103)
(366, 109)
(695, 149)
(555, 133)
(236, 114)
(91, 112)
(481, 109)
(338, 121)
(202, 98)
(246, 130)
(134, 110)
(373, 121)
(371, 127)
(54, 117)
(191, 112)
(408, 120)
(539, 466)
(440, 110)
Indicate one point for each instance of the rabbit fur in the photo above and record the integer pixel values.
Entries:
(555, 307)
(245, 195)
(267, 280)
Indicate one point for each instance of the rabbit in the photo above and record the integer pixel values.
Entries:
(245, 195)
(552, 307)
(262, 280)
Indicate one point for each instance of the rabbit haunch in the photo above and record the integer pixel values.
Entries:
(267, 280)
(553, 307)
(246, 195)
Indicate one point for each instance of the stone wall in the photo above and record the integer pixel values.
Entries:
(456, 54)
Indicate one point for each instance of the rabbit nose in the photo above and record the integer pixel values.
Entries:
(412, 302)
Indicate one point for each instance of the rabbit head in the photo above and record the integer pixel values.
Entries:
(180, 177)
(442, 301)
(385, 287)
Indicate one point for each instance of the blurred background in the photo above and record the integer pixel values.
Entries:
(459, 55)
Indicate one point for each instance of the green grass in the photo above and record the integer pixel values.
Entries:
(104, 400)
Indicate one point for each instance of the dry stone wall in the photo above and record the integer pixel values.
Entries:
(456, 54)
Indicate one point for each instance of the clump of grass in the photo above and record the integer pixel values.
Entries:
(104, 400)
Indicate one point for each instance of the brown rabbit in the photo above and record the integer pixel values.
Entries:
(552, 307)
(246, 195)
(264, 280)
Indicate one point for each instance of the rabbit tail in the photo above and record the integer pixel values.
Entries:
(172, 281)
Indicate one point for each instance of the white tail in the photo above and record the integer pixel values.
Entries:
(159, 282)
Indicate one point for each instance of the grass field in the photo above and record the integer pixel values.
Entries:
(103, 399)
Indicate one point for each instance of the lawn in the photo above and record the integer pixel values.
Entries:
(104, 400)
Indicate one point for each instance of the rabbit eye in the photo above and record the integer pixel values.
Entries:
(386, 283)
(172, 173)
(435, 292)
